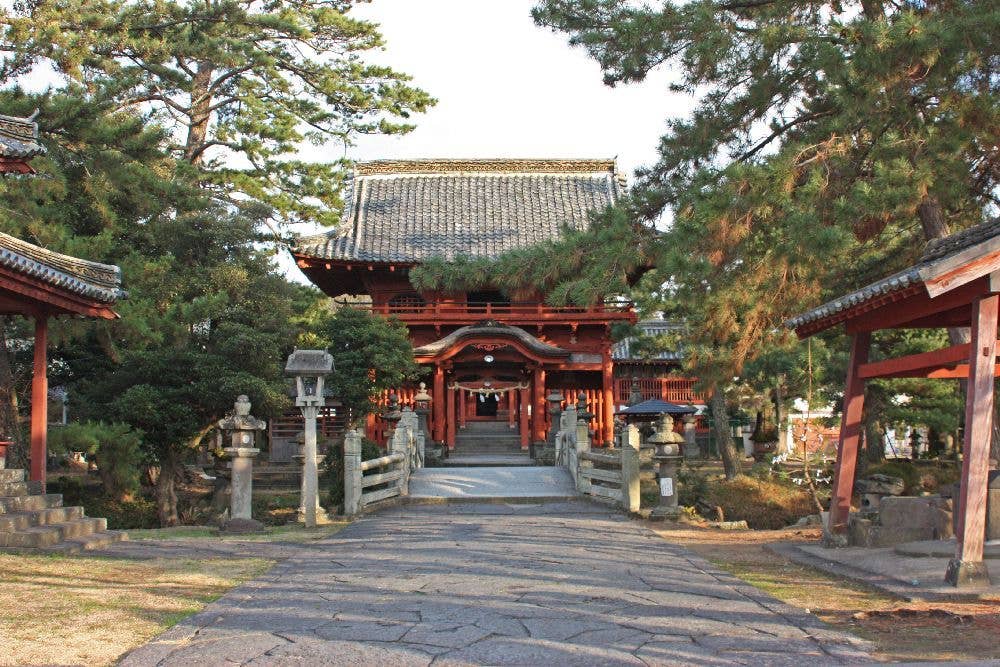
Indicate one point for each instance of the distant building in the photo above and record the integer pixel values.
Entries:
(492, 355)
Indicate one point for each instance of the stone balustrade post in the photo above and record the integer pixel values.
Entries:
(582, 444)
(400, 444)
(352, 473)
(630, 468)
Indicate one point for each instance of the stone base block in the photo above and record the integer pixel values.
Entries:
(242, 527)
(663, 513)
(902, 519)
(322, 518)
(964, 574)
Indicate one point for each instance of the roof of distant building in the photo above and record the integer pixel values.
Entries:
(938, 258)
(408, 211)
(94, 281)
(19, 138)
(622, 350)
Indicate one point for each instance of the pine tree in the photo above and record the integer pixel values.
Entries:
(830, 140)
(240, 85)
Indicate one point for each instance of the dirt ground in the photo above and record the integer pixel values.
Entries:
(89, 611)
(901, 631)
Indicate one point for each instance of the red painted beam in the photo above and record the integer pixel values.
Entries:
(850, 434)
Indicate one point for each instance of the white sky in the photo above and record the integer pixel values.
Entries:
(508, 88)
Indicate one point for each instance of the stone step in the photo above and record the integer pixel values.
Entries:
(13, 489)
(41, 537)
(8, 475)
(100, 540)
(29, 503)
(44, 517)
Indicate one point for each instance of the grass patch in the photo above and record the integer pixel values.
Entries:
(288, 533)
(78, 610)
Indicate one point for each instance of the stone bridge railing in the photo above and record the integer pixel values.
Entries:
(610, 475)
(391, 476)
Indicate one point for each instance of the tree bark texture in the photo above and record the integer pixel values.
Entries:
(166, 492)
(731, 460)
(201, 113)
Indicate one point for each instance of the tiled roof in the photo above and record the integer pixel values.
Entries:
(622, 350)
(99, 282)
(411, 210)
(937, 250)
(19, 138)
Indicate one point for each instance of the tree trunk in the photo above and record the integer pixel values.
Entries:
(201, 114)
(731, 460)
(779, 418)
(10, 425)
(166, 492)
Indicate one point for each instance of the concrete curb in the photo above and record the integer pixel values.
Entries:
(880, 582)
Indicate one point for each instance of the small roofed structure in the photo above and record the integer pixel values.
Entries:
(41, 284)
(18, 144)
(654, 407)
(955, 284)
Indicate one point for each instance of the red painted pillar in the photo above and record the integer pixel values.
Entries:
(437, 405)
(462, 408)
(40, 401)
(511, 416)
(538, 406)
(967, 567)
(850, 434)
(608, 399)
(522, 411)
(451, 398)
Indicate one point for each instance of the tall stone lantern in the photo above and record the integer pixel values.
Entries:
(668, 451)
(242, 429)
(309, 368)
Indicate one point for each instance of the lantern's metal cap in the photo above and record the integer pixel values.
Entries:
(309, 362)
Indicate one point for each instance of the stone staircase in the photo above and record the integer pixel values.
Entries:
(487, 444)
(35, 523)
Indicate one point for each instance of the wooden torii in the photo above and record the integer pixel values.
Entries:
(41, 284)
(955, 284)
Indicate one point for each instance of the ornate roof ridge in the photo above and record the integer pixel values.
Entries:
(485, 165)
(19, 137)
(101, 282)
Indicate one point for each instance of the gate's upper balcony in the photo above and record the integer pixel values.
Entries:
(461, 313)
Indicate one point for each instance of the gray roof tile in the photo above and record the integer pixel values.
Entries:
(412, 210)
(100, 282)
(935, 251)
(19, 138)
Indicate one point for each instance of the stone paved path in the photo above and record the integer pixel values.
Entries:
(476, 584)
(492, 482)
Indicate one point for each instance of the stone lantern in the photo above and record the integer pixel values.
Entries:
(242, 429)
(668, 451)
(422, 406)
(391, 415)
(309, 368)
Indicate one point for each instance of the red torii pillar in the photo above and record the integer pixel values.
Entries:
(967, 566)
(850, 435)
(40, 402)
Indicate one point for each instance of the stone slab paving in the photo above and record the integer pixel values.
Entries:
(564, 583)
(492, 482)
(893, 570)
